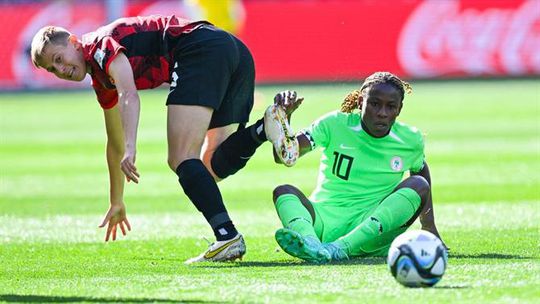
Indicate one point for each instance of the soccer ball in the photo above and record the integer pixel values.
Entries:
(417, 258)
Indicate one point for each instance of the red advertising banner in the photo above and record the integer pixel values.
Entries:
(471, 38)
(320, 40)
(19, 24)
(345, 40)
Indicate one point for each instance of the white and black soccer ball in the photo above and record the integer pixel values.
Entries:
(417, 258)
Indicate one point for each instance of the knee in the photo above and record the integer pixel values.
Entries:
(225, 162)
(207, 161)
(207, 158)
(174, 162)
(281, 190)
(420, 185)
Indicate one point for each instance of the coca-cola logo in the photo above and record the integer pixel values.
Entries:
(439, 39)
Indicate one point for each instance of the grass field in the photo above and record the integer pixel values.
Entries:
(482, 144)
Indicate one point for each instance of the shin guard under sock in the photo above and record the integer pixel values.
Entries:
(202, 190)
(233, 153)
(294, 215)
(392, 213)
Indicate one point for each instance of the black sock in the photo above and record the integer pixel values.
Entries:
(202, 190)
(228, 229)
(257, 131)
(233, 154)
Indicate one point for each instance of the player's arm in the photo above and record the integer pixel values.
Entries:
(121, 124)
(115, 152)
(116, 215)
(304, 146)
(129, 106)
(290, 102)
(427, 216)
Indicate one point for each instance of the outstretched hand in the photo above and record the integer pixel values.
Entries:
(116, 216)
(289, 101)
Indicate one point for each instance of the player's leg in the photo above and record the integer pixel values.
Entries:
(393, 215)
(205, 61)
(278, 131)
(214, 138)
(230, 143)
(298, 237)
(186, 129)
(230, 149)
(294, 210)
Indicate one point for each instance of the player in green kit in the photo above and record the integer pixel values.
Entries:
(361, 202)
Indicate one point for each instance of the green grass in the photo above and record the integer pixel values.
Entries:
(482, 144)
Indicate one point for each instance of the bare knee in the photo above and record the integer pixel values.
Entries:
(206, 158)
(283, 189)
(186, 131)
(173, 163)
(418, 184)
(207, 161)
(176, 160)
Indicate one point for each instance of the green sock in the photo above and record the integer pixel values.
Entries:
(392, 213)
(294, 215)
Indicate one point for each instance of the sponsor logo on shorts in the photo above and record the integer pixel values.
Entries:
(174, 76)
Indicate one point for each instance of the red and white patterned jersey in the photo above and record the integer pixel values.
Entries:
(148, 42)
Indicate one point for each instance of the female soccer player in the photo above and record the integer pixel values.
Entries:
(211, 75)
(361, 201)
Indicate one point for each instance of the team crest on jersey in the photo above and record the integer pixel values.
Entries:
(396, 163)
(99, 55)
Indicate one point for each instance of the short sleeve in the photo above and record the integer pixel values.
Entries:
(106, 51)
(107, 98)
(417, 163)
(319, 131)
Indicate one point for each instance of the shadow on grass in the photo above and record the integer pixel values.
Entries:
(13, 298)
(451, 287)
(496, 256)
(289, 263)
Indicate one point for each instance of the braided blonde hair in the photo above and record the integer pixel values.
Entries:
(352, 100)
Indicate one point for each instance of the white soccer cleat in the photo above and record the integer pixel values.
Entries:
(278, 131)
(221, 251)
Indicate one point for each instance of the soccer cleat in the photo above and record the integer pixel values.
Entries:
(278, 131)
(220, 251)
(307, 248)
(336, 253)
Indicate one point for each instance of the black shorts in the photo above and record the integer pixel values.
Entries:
(213, 68)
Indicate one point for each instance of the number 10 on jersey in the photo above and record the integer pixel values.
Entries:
(342, 165)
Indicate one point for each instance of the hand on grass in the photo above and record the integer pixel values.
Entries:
(433, 229)
(289, 101)
(128, 166)
(115, 217)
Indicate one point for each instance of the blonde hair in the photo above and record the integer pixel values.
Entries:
(47, 35)
(352, 100)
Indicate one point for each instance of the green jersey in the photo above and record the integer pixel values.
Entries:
(358, 170)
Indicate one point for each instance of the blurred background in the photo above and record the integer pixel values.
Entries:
(310, 41)
(475, 70)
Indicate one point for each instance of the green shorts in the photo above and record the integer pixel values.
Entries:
(333, 221)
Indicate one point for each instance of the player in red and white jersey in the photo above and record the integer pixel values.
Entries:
(211, 75)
